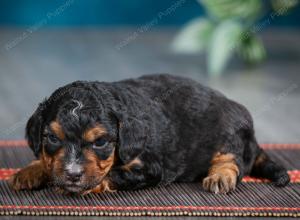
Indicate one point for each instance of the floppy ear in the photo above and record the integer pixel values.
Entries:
(132, 136)
(34, 131)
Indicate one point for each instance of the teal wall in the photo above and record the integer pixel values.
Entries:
(107, 12)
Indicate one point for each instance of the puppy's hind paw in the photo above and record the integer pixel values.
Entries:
(282, 179)
(218, 183)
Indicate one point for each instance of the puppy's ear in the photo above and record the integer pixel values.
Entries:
(34, 133)
(132, 136)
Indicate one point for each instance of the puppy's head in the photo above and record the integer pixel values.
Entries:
(77, 136)
(79, 163)
(75, 139)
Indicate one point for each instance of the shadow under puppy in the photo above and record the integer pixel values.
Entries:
(136, 133)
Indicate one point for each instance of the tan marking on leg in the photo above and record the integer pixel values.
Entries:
(260, 159)
(36, 174)
(31, 177)
(222, 175)
(91, 134)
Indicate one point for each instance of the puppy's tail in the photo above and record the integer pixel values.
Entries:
(264, 167)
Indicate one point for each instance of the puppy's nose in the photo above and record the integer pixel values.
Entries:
(74, 176)
(73, 172)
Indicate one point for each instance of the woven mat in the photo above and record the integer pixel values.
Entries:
(253, 197)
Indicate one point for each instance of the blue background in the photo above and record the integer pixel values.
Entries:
(108, 13)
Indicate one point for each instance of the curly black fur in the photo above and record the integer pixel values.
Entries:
(173, 125)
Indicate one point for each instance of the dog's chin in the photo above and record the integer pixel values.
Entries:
(74, 189)
(80, 187)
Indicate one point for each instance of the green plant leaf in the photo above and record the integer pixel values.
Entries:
(282, 7)
(233, 9)
(252, 50)
(224, 41)
(194, 37)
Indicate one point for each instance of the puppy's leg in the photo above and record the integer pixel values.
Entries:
(227, 165)
(223, 173)
(31, 177)
(266, 168)
(140, 172)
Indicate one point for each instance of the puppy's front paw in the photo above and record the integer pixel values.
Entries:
(219, 183)
(24, 180)
(104, 186)
(31, 177)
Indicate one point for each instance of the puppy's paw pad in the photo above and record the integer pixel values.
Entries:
(219, 183)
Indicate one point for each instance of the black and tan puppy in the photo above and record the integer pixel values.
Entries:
(136, 133)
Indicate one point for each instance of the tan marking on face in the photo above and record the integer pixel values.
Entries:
(97, 167)
(53, 162)
(91, 134)
(57, 129)
(134, 162)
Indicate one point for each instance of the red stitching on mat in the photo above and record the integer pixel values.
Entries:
(233, 208)
(294, 177)
(5, 173)
(13, 143)
(23, 143)
(280, 146)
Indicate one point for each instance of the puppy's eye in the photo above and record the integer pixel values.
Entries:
(52, 139)
(100, 143)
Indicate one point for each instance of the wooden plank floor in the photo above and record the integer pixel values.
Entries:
(32, 67)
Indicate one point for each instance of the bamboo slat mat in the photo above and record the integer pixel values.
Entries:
(253, 197)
